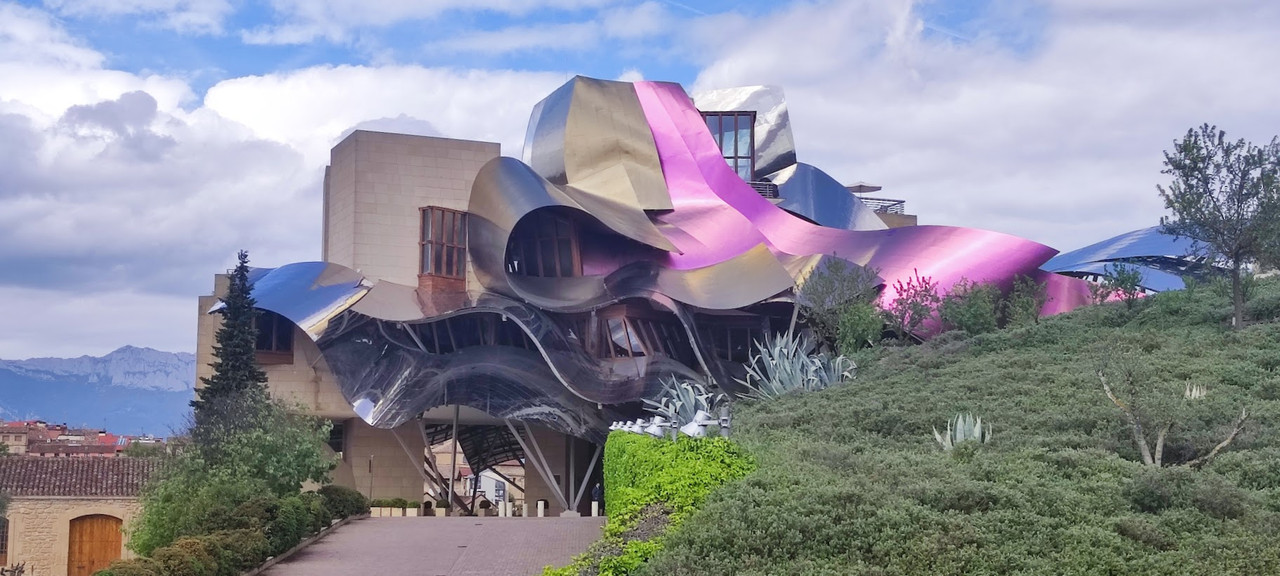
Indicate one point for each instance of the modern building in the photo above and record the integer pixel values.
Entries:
(521, 305)
(66, 515)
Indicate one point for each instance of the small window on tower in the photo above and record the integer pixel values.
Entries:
(443, 243)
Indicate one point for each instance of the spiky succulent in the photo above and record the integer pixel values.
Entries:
(681, 399)
(787, 362)
(962, 428)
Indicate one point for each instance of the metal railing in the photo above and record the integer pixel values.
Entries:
(765, 188)
(885, 205)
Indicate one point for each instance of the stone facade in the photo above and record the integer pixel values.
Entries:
(40, 528)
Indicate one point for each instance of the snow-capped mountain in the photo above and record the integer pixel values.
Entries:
(129, 391)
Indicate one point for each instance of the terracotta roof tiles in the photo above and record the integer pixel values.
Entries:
(82, 477)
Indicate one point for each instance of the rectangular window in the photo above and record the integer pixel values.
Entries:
(443, 242)
(275, 332)
(734, 133)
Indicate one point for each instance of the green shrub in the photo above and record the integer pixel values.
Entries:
(1023, 304)
(236, 551)
(318, 513)
(861, 325)
(290, 525)
(187, 501)
(132, 567)
(399, 503)
(255, 513)
(344, 502)
(971, 307)
(186, 557)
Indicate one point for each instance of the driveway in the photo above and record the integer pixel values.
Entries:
(431, 546)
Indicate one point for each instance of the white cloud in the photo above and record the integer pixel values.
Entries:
(302, 21)
(308, 109)
(93, 324)
(1060, 143)
(195, 16)
(117, 190)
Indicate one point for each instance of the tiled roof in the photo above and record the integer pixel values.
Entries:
(101, 477)
(63, 448)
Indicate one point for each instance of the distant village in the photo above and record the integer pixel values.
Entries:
(40, 438)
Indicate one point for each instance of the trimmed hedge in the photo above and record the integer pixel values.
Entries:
(344, 502)
(651, 485)
(244, 535)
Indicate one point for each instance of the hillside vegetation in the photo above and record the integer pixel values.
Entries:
(851, 481)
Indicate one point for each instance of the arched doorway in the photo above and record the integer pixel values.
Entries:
(95, 541)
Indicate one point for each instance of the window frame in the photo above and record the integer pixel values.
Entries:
(443, 246)
(735, 160)
(529, 243)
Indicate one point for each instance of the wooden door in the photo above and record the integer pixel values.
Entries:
(95, 541)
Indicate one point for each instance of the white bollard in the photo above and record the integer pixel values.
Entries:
(542, 509)
(595, 508)
(526, 510)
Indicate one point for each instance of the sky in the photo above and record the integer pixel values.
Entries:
(144, 142)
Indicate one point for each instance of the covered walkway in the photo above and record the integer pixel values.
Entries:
(455, 546)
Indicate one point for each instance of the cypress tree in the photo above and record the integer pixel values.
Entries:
(236, 375)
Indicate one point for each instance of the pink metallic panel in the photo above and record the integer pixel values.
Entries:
(726, 217)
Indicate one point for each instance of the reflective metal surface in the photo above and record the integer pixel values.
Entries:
(811, 193)
(1161, 258)
(775, 148)
(673, 245)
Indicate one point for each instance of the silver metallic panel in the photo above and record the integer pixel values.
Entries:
(811, 193)
(775, 147)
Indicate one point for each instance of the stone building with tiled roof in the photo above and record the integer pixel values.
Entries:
(67, 515)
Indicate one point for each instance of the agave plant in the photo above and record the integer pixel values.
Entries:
(962, 428)
(787, 362)
(682, 399)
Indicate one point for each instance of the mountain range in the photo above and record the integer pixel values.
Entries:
(128, 391)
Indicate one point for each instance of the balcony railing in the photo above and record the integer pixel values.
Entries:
(765, 188)
(885, 205)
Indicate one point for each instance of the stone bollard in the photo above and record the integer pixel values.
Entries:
(542, 508)
(595, 508)
(526, 509)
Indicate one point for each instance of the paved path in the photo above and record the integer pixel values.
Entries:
(430, 546)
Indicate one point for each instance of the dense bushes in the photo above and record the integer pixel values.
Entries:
(850, 482)
(652, 484)
(238, 536)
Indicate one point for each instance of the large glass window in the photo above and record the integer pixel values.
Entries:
(275, 332)
(544, 244)
(443, 243)
(734, 133)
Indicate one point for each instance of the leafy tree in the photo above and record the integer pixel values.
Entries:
(1225, 196)
(914, 303)
(830, 289)
(235, 368)
(1025, 300)
(273, 451)
(1125, 280)
(971, 306)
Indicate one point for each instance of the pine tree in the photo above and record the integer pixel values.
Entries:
(236, 375)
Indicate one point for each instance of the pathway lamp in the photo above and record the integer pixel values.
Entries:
(658, 428)
(698, 427)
